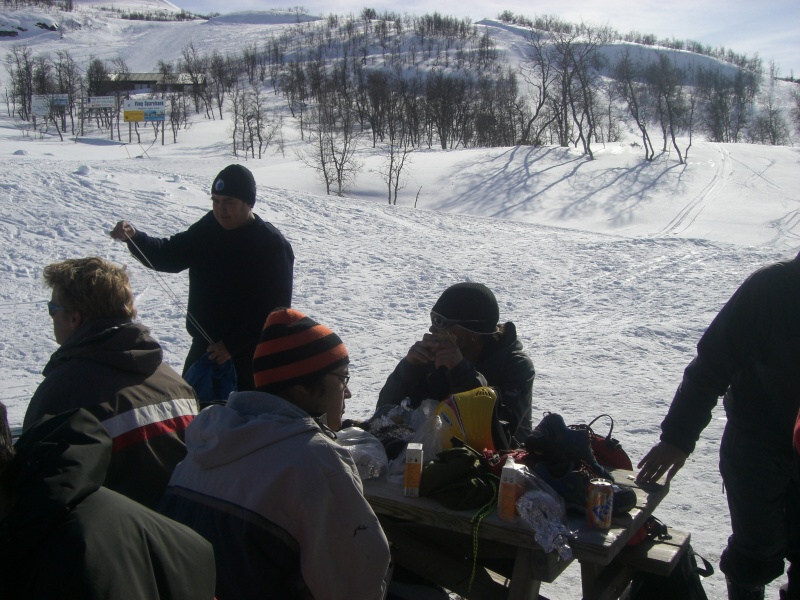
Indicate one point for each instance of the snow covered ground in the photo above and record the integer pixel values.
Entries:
(610, 268)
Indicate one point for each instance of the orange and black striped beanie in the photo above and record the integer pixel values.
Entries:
(293, 347)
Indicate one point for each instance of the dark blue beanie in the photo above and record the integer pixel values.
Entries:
(236, 181)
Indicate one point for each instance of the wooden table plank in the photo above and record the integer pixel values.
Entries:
(657, 556)
(601, 547)
(387, 498)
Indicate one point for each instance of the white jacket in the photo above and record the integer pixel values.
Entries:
(271, 491)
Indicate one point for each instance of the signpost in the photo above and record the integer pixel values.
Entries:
(151, 110)
(41, 105)
(101, 102)
(144, 110)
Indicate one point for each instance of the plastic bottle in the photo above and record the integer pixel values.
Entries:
(510, 490)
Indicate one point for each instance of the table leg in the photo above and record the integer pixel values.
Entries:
(604, 583)
(422, 555)
(523, 586)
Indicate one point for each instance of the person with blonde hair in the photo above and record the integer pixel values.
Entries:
(111, 366)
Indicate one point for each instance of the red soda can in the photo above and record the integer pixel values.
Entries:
(599, 503)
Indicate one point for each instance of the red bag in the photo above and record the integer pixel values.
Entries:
(607, 450)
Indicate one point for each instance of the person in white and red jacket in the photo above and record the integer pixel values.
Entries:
(111, 366)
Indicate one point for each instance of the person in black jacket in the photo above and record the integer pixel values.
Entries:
(751, 354)
(240, 269)
(64, 537)
(465, 349)
(111, 366)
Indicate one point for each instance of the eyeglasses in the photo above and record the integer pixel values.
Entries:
(440, 322)
(53, 308)
(345, 378)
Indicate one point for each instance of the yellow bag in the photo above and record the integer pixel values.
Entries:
(472, 417)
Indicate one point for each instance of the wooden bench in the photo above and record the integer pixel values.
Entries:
(650, 556)
(657, 557)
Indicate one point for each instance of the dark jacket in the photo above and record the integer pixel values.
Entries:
(68, 538)
(236, 278)
(114, 369)
(751, 354)
(503, 365)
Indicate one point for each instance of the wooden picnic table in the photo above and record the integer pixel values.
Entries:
(436, 543)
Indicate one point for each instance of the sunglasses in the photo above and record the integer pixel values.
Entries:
(53, 308)
(440, 322)
(345, 378)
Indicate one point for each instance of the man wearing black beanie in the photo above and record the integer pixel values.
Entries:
(240, 269)
(467, 347)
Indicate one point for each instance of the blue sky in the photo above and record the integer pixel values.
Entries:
(768, 28)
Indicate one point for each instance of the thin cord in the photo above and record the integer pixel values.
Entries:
(164, 286)
(477, 519)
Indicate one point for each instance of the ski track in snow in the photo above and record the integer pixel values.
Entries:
(686, 217)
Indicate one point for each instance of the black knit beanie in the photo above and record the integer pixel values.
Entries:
(472, 304)
(294, 348)
(236, 181)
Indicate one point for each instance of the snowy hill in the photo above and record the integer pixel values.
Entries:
(611, 268)
(21, 25)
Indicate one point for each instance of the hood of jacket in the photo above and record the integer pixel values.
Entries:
(496, 353)
(59, 462)
(248, 422)
(116, 342)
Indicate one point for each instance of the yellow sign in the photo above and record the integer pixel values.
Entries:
(129, 116)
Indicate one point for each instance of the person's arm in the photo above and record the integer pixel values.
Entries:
(343, 551)
(516, 395)
(282, 275)
(401, 382)
(689, 413)
(722, 350)
(170, 255)
(458, 373)
(409, 377)
(56, 394)
(464, 377)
